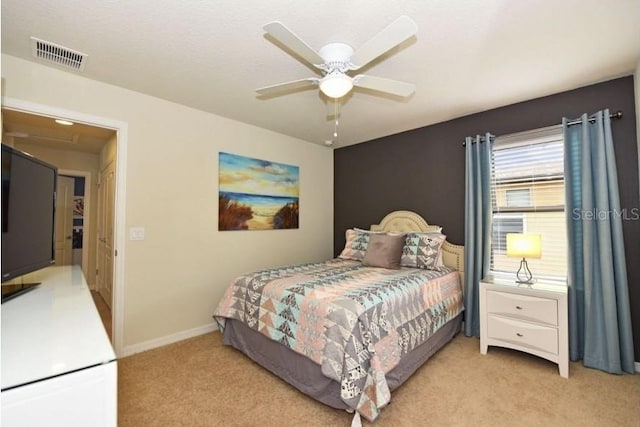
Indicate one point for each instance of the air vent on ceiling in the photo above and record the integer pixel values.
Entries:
(59, 55)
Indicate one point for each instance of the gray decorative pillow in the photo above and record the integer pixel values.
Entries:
(384, 251)
(422, 250)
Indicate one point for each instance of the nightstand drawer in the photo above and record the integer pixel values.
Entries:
(538, 337)
(523, 307)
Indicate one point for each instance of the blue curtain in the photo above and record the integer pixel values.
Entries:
(599, 314)
(477, 225)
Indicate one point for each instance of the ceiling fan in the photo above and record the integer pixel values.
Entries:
(335, 60)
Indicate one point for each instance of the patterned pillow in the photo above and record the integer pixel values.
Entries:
(356, 246)
(422, 250)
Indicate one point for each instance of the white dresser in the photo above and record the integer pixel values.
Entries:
(529, 318)
(58, 367)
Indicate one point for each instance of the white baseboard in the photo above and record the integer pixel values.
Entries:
(637, 365)
(169, 339)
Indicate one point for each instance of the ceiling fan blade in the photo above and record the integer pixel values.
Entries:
(394, 87)
(394, 34)
(278, 31)
(295, 84)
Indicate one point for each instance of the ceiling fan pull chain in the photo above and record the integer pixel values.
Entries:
(335, 116)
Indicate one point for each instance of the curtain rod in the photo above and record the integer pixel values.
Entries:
(617, 115)
(482, 139)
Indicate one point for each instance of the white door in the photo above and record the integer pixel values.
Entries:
(64, 221)
(106, 206)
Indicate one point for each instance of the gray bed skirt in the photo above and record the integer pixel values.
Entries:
(305, 375)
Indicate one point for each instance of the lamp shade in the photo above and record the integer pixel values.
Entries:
(336, 85)
(524, 245)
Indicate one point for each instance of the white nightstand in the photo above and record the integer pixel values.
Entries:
(529, 318)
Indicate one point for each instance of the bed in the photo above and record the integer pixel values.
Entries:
(350, 330)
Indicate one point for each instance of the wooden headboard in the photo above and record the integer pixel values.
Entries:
(405, 221)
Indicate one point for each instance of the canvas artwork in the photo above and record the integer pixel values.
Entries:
(257, 194)
(78, 206)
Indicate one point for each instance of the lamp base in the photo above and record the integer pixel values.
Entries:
(524, 275)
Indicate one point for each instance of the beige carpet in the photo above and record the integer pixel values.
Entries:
(200, 382)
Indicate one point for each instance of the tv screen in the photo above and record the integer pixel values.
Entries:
(28, 211)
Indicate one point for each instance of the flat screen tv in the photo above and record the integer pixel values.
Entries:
(28, 215)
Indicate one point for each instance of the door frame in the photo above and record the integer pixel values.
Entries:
(86, 220)
(121, 129)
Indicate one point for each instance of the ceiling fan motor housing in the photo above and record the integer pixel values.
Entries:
(336, 57)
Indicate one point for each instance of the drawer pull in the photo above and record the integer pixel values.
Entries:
(518, 307)
(519, 334)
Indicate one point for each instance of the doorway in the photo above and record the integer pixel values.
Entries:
(89, 236)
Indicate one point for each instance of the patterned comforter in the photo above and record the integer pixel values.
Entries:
(356, 322)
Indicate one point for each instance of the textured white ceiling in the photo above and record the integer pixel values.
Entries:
(468, 55)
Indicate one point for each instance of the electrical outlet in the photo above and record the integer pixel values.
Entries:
(136, 233)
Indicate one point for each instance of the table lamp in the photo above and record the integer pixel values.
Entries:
(524, 245)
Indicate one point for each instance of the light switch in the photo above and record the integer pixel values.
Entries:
(136, 233)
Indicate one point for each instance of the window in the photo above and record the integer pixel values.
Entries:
(519, 197)
(503, 224)
(527, 192)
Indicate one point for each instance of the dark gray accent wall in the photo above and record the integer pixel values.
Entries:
(422, 170)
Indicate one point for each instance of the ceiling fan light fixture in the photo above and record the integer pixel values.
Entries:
(336, 85)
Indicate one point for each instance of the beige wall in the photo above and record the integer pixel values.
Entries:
(176, 276)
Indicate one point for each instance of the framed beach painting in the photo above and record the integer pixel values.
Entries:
(257, 194)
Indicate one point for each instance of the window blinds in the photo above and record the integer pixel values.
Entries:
(527, 195)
